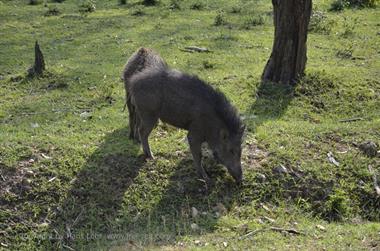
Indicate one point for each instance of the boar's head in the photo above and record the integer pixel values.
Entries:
(228, 152)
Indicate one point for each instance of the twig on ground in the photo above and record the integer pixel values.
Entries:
(77, 218)
(68, 247)
(350, 120)
(192, 49)
(250, 233)
(289, 230)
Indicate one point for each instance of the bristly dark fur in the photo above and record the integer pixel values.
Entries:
(142, 59)
(228, 113)
(223, 108)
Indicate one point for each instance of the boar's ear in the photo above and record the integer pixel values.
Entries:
(223, 134)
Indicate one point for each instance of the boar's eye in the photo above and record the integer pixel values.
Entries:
(232, 151)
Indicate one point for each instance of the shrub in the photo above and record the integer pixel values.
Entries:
(220, 19)
(174, 5)
(236, 9)
(320, 23)
(34, 2)
(345, 53)
(208, 65)
(337, 206)
(150, 2)
(122, 2)
(338, 5)
(138, 12)
(58, 1)
(349, 27)
(253, 21)
(87, 6)
(362, 3)
(52, 11)
(197, 6)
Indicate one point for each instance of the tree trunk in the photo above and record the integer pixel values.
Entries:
(288, 59)
(39, 64)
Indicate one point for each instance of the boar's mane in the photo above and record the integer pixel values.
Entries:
(223, 108)
(227, 113)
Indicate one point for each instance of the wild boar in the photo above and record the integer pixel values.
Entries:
(142, 59)
(187, 102)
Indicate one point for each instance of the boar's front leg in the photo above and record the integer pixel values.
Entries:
(196, 151)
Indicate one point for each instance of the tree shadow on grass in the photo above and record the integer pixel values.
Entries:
(272, 101)
(118, 198)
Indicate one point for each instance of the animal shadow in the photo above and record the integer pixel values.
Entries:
(118, 198)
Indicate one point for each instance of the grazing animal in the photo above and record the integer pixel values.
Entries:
(142, 59)
(187, 102)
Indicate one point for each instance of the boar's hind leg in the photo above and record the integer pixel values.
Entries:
(195, 147)
(132, 118)
(146, 125)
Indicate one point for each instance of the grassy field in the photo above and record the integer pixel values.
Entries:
(72, 180)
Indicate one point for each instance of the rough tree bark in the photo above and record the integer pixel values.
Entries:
(288, 59)
(39, 64)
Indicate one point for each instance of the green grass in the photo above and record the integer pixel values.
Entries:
(70, 178)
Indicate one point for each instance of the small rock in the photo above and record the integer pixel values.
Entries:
(194, 227)
(261, 177)
(225, 244)
(194, 212)
(197, 242)
(320, 227)
(45, 156)
(181, 244)
(26, 182)
(369, 148)
(34, 125)
(281, 169)
(331, 158)
(86, 115)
